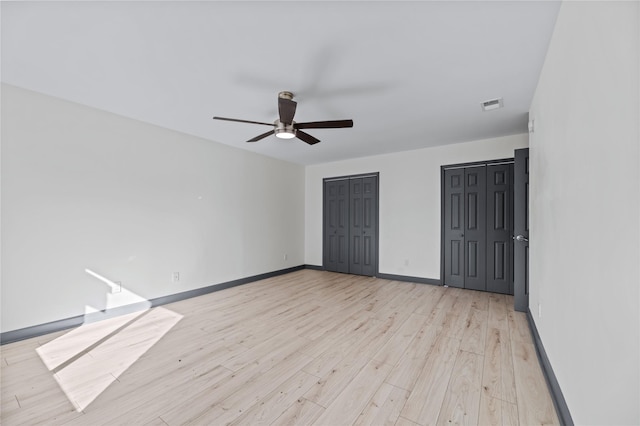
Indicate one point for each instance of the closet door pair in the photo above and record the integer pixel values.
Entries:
(350, 242)
(477, 227)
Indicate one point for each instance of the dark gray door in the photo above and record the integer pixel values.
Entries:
(363, 220)
(521, 230)
(350, 217)
(336, 226)
(499, 226)
(453, 213)
(475, 228)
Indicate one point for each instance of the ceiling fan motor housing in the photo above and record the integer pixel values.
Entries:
(285, 95)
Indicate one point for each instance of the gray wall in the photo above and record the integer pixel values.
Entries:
(90, 198)
(585, 191)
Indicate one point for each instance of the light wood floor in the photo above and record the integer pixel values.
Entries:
(309, 347)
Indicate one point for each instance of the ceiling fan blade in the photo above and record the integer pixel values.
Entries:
(306, 137)
(287, 109)
(262, 136)
(242, 121)
(333, 124)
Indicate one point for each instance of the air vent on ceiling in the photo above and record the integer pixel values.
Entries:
(492, 104)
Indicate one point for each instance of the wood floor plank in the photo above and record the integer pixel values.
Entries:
(329, 386)
(402, 421)
(137, 407)
(20, 351)
(258, 389)
(301, 413)
(518, 327)
(57, 413)
(462, 399)
(30, 382)
(278, 401)
(534, 402)
(412, 362)
(385, 406)
(425, 400)
(474, 335)
(490, 411)
(430, 298)
(396, 346)
(331, 353)
(497, 312)
(155, 422)
(302, 348)
(481, 300)
(348, 405)
(455, 321)
(243, 388)
(509, 414)
(498, 379)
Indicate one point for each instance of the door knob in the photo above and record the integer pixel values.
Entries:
(522, 238)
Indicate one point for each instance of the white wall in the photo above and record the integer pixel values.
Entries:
(409, 200)
(585, 190)
(85, 189)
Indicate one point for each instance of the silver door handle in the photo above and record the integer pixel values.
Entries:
(522, 238)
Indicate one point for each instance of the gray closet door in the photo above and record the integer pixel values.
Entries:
(521, 230)
(454, 228)
(350, 242)
(336, 226)
(363, 229)
(475, 233)
(477, 223)
(499, 226)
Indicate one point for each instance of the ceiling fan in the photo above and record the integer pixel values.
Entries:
(285, 128)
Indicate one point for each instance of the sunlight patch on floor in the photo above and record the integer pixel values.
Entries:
(90, 358)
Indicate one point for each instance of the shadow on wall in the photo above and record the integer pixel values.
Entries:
(88, 359)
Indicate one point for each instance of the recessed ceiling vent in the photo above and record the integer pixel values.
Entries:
(492, 104)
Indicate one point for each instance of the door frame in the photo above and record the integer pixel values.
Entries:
(521, 283)
(377, 207)
(509, 160)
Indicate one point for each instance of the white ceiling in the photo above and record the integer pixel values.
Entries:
(410, 74)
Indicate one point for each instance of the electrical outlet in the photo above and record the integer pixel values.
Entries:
(117, 288)
(539, 310)
(175, 277)
(284, 256)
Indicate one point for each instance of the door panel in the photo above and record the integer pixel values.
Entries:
(336, 226)
(356, 245)
(521, 227)
(475, 229)
(363, 229)
(453, 227)
(370, 226)
(499, 228)
(350, 241)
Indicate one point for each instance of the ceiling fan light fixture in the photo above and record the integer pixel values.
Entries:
(284, 131)
(285, 134)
